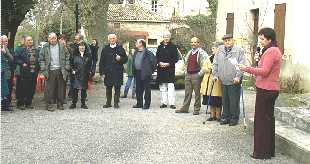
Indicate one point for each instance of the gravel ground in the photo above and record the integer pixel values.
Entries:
(124, 135)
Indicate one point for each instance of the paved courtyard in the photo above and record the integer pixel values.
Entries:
(125, 135)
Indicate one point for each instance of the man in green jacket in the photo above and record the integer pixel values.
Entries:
(55, 65)
(130, 78)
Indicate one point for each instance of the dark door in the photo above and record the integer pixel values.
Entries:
(230, 23)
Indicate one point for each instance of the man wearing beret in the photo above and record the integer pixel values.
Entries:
(225, 68)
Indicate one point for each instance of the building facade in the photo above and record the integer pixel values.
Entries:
(244, 18)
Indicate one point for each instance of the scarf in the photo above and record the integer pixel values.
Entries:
(272, 44)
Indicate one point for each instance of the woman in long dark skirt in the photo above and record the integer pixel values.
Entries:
(267, 91)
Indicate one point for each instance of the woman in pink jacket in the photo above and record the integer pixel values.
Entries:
(267, 91)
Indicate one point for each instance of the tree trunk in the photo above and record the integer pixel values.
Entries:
(12, 33)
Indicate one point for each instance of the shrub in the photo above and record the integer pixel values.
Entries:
(292, 83)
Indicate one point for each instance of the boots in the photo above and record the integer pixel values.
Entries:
(109, 97)
(116, 98)
(72, 106)
(83, 104)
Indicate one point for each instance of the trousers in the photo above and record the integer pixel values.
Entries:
(167, 92)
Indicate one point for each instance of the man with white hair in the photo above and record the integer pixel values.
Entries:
(111, 69)
(6, 58)
(28, 62)
(9, 58)
(167, 56)
(54, 62)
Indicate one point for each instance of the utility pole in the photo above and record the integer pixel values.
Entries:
(77, 13)
(61, 16)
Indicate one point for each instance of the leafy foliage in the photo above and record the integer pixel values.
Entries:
(12, 14)
(201, 26)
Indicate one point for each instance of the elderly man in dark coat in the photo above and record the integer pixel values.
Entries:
(111, 69)
(166, 58)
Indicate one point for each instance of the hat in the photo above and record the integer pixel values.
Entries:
(227, 36)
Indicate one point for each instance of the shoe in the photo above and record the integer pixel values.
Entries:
(106, 106)
(224, 122)
(211, 119)
(72, 106)
(260, 157)
(10, 109)
(196, 112)
(124, 96)
(47, 107)
(233, 123)
(60, 107)
(137, 106)
(145, 107)
(20, 107)
(29, 107)
(181, 111)
(252, 156)
(116, 106)
(173, 107)
(163, 106)
(7, 109)
(84, 106)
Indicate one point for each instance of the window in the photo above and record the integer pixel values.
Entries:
(117, 25)
(154, 5)
(152, 41)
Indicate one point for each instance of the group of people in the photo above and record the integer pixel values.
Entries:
(56, 60)
(217, 77)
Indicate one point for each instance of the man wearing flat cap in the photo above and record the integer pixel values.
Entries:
(225, 68)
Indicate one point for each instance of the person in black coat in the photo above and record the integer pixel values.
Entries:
(80, 63)
(94, 51)
(74, 49)
(111, 69)
(166, 56)
(144, 63)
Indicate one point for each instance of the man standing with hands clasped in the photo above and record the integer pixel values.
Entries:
(111, 69)
(225, 68)
(166, 56)
(194, 61)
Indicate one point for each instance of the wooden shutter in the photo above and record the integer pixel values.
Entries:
(230, 23)
(279, 24)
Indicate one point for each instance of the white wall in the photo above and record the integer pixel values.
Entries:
(154, 30)
(294, 28)
(182, 7)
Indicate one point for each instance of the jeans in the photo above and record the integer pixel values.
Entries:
(128, 84)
